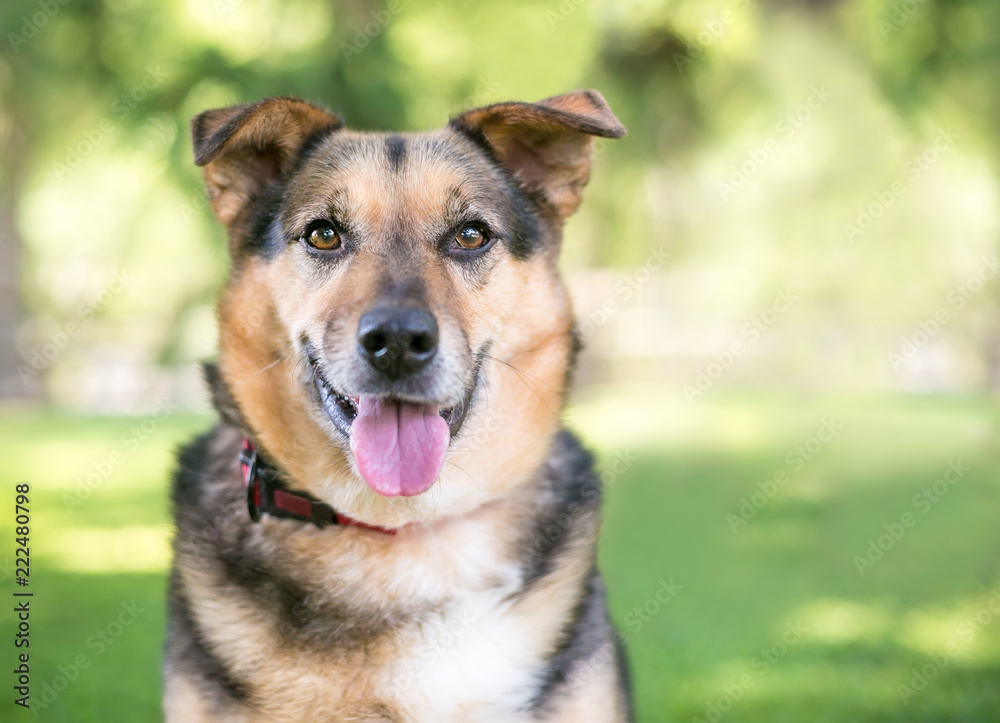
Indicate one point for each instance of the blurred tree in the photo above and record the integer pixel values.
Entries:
(11, 313)
(96, 96)
(91, 88)
(940, 59)
(98, 92)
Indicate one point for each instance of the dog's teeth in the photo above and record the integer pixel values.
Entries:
(324, 391)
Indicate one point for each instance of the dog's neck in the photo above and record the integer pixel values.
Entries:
(264, 482)
(223, 400)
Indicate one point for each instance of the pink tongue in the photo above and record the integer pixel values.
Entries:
(399, 447)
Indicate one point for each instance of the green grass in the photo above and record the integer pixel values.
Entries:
(682, 469)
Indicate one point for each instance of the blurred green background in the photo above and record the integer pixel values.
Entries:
(785, 274)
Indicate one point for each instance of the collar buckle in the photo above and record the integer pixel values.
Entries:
(252, 482)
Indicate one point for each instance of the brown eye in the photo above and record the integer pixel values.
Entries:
(323, 236)
(471, 237)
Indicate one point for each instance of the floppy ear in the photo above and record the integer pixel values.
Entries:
(244, 147)
(547, 145)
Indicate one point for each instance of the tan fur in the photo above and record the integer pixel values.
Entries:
(453, 571)
(258, 359)
(278, 127)
(429, 561)
(302, 683)
(538, 148)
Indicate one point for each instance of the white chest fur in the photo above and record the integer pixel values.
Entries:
(476, 660)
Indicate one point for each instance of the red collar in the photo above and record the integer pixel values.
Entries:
(262, 484)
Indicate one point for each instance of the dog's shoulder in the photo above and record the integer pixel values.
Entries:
(568, 502)
(206, 474)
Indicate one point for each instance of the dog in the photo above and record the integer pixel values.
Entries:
(389, 522)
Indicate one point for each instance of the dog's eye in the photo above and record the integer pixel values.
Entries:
(471, 237)
(321, 235)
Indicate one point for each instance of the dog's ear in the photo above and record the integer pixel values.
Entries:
(244, 147)
(547, 145)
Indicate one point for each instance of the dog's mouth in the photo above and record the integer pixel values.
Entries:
(343, 409)
(399, 443)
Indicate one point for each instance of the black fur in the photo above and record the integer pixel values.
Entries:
(395, 149)
(527, 237)
(312, 142)
(208, 145)
(196, 655)
(215, 533)
(313, 609)
(265, 237)
(522, 231)
(184, 637)
(576, 344)
(222, 397)
(575, 498)
(214, 530)
(582, 649)
(624, 675)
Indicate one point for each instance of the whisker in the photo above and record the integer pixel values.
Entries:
(465, 472)
(554, 341)
(520, 371)
(528, 379)
(280, 358)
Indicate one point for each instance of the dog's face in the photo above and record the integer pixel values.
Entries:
(395, 332)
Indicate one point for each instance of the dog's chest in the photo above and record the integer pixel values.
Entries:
(477, 660)
(466, 664)
(457, 652)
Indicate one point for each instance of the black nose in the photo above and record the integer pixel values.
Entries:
(398, 340)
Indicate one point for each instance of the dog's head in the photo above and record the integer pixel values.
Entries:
(395, 316)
